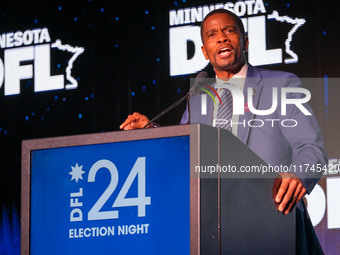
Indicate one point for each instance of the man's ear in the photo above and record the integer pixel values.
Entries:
(246, 43)
(204, 52)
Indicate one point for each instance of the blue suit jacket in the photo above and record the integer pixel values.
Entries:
(275, 144)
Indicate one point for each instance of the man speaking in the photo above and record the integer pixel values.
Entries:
(224, 45)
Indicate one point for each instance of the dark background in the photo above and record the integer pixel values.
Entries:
(125, 68)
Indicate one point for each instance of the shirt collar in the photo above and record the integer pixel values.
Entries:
(238, 79)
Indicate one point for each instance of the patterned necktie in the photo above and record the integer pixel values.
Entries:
(225, 111)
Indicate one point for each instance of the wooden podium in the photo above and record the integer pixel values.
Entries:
(169, 190)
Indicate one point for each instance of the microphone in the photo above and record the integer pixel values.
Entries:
(193, 91)
(199, 81)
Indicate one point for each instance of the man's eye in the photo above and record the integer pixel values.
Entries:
(211, 35)
(230, 31)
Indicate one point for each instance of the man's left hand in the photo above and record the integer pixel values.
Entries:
(289, 192)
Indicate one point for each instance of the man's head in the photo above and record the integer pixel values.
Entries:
(224, 42)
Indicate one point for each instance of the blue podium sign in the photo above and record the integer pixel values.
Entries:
(112, 198)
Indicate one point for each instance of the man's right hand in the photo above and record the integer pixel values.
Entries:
(135, 121)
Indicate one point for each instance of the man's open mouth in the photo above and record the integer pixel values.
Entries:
(225, 52)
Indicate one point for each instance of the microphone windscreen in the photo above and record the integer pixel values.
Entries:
(199, 82)
(202, 75)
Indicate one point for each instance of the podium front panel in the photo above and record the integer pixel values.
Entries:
(130, 197)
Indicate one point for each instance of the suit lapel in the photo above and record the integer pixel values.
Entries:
(196, 105)
(252, 81)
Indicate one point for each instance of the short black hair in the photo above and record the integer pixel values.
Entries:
(237, 19)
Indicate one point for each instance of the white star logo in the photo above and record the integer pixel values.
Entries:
(77, 172)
